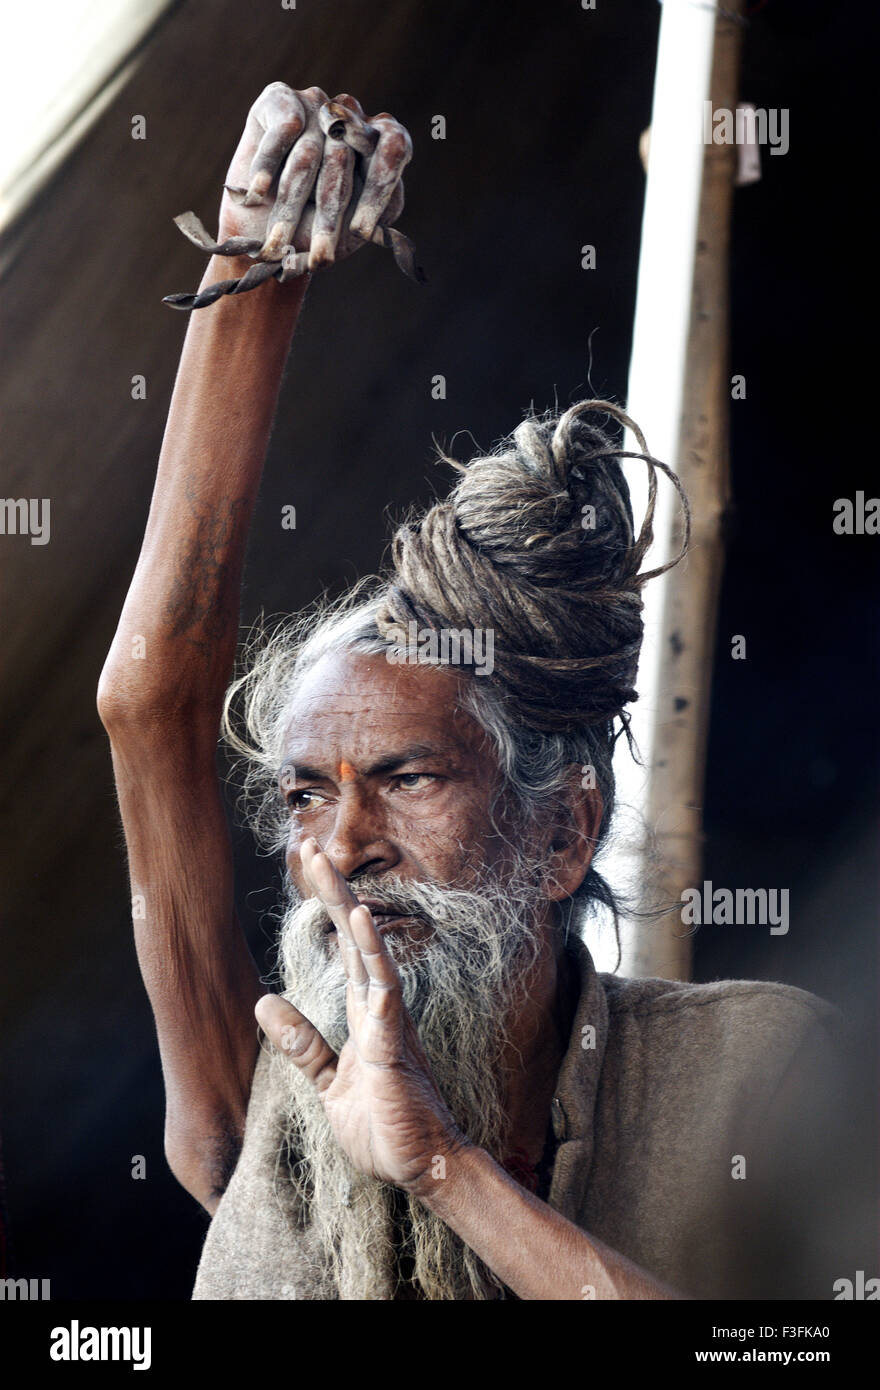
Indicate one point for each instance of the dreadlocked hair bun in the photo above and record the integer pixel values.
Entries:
(536, 544)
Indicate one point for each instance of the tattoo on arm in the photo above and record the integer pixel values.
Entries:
(204, 599)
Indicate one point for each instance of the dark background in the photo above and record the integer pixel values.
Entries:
(544, 107)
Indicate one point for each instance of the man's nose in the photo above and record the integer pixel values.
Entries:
(360, 841)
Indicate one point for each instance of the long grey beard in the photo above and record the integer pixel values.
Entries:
(463, 987)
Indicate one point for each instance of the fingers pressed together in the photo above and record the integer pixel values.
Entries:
(372, 975)
(338, 183)
(373, 981)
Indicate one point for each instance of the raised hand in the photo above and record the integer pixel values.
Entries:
(312, 180)
(378, 1093)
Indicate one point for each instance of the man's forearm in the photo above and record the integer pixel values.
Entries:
(536, 1252)
(184, 597)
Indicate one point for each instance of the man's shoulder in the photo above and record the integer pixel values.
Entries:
(699, 1084)
(703, 1023)
(660, 998)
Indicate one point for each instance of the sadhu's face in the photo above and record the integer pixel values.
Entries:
(389, 775)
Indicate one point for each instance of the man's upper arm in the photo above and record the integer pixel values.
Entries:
(199, 973)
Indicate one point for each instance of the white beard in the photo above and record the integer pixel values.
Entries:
(463, 986)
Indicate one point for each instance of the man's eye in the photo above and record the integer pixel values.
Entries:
(409, 781)
(303, 801)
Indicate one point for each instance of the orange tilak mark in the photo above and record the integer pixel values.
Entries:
(347, 772)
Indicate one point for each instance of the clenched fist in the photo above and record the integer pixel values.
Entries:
(311, 181)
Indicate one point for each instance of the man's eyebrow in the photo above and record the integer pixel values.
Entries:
(306, 773)
(301, 771)
(406, 755)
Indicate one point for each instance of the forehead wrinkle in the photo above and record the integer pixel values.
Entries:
(331, 678)
(354, 709)
(345, 703)
(350, 736)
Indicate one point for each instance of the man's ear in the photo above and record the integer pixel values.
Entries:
(572, 839)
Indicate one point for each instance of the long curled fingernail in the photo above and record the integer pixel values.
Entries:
(257, 275)
(340, 123)
(287, 262)
(200, 301)
(404, 253)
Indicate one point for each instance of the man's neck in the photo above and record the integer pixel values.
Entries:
(537, 1047)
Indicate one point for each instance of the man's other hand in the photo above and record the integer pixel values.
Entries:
(378, 1093)
(313, 174)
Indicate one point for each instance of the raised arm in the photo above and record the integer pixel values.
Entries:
(162, 686)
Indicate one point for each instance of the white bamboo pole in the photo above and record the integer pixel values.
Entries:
(678, 395)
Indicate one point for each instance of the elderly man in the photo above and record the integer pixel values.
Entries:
(446, 1101)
